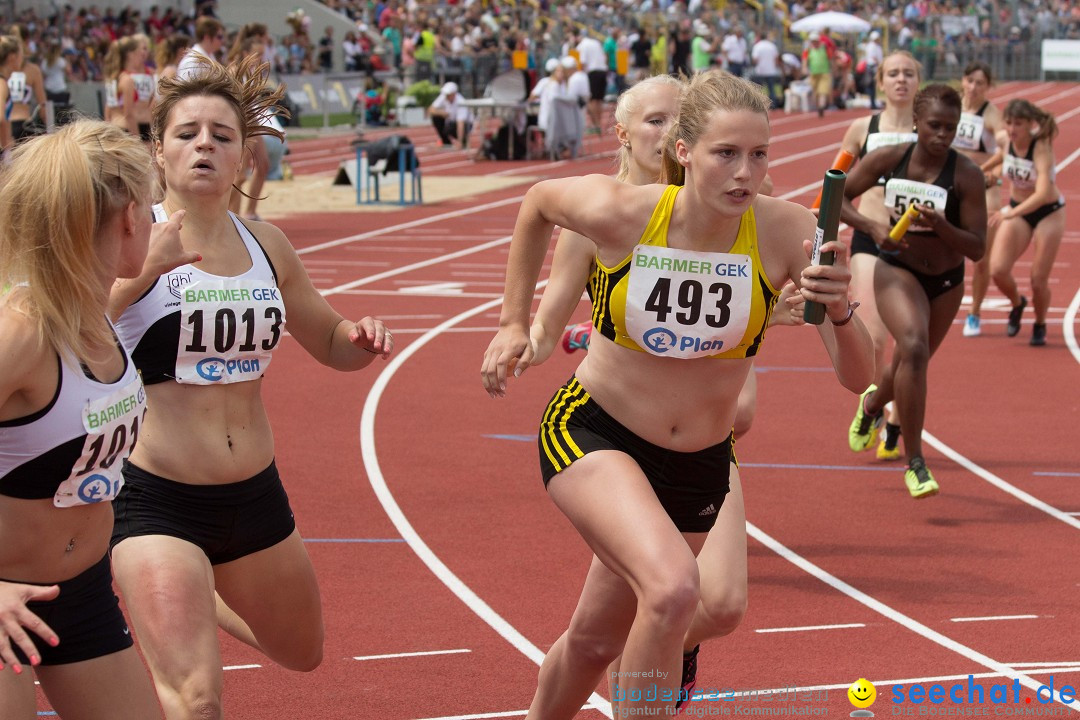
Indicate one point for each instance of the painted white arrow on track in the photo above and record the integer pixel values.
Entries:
(444, 288)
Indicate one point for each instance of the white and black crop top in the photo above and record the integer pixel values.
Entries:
(1021, 171)
(73, 449)
(19, 90)
(202, 329)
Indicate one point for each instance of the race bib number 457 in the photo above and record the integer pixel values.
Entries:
(686, 304)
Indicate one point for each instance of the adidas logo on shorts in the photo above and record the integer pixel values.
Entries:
(711, 510)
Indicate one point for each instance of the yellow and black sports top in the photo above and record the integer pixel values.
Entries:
(681, 303)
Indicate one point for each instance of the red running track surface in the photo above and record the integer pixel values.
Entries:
(894, 574)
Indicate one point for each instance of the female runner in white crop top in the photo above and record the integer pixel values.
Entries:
(1035, 214)
(71, 406)
(976, 137)
(206, 456)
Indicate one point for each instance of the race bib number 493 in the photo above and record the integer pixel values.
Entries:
(686, 304)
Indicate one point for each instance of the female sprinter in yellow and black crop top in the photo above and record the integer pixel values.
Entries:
(643, 115)
(71, 409)
(919, 281)
(635, 449)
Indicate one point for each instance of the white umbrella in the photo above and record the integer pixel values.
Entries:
(834, 21)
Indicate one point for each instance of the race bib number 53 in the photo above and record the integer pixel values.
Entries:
(686, 304)
(968, 132)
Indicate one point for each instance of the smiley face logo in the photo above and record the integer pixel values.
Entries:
(862, 693)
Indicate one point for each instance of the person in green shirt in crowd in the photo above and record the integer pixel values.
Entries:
(702, 47)
(925, 49)
(817, 63)
(425, 52)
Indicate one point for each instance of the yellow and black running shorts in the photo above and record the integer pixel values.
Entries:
(691, 486)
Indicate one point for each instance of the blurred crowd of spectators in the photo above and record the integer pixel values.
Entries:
(471, 40)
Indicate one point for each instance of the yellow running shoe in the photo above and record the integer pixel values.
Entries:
(884, 453)
(920, 483)
(864, 428)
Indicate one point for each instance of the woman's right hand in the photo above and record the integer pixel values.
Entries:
(14, 617)
(166, 252)
(511, 350)
(880, 233)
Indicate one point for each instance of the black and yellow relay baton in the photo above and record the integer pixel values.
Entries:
(828, 225)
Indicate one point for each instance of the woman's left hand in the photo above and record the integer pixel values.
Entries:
(372, 335)
(828, 284)
(789, 307)
(928, 218)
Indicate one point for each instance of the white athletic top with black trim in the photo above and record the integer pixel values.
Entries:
(72, 450)
(202, 329)
(18, 89)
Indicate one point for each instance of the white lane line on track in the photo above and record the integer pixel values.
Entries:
(991, 618)
(369, 456)
(425, 653)
(1043, 670)
(471, 210)
(1069, 326)
(807, 628)
(508, 713)
(415, 266)
(997, 482)
(905, 621)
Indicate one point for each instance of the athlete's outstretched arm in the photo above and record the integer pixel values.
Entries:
(570, 267)
(596, 206)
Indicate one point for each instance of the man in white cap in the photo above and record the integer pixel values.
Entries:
(546, 89)
(451, 118)
(872, 57)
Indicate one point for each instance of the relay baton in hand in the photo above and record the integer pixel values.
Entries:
(842, 162)
(828, 225)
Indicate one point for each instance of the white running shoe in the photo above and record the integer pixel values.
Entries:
(971, 326)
